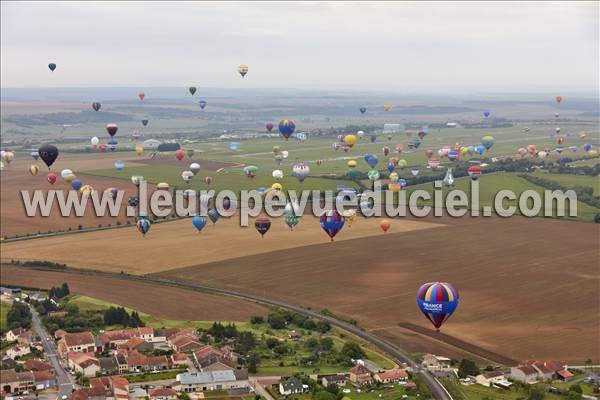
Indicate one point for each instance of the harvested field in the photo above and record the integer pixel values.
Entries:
(522, 283)
(160, 301)
(177, 244)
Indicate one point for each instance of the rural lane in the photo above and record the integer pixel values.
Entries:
(437, 389)
(65, 387)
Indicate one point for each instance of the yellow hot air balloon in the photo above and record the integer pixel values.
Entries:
(464, 150)
(276, 186)
(139, 150)
(387, 107)
(70, 178)
(593, 153)
(351, 164)
(86, 190)
(243, 70)
(394, 177)
(350, 140)
(33, 170)
(276, 150)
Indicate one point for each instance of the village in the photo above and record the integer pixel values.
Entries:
(42, 360)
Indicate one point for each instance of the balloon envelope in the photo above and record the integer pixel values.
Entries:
(48, 153)
(52, 66)
(262, 225)
(332, 222)
(437, 301)
(199, 222)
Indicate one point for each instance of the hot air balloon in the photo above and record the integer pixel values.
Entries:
(558, 99)
(51, 178)
(8, 156)
(522, 151)
(373, 175)
(560, 140)
(76, 184)
(179, 154)
(202, 104)
(277, 174)
(143, 225)
(486, 114)
(351, 163)
(371, 159)
(488, 142)
(385, 225)
(243, 70)
(112, 192)
(162, 186)
(587, 147)
(250, 171)
(414, 172)
(350, 140)
(269, 126)
(402, 163)
(144, 122)
(332, 222)
(133, 201)
(195, 168)
(437, 301)
(300, 171)
(102, 147)
(428, 153)
(187, 176)
(433, 163)
(532, 149)
(233, 146)
(387, 107)
(52, 66)
(213, 215)
(480, 149)
(139, 150)
(474, 172)
(363, 110)
(112, 143)
(112, 129)
(208, 180)
(86, 190)
(385, 150)
(33, 170)
(34, 154)
(141, 95)
(119, 165)
(391, 166)
(136, 179)
(453, 155)
(557, 129)
(393, 177)
(360, 134)
(96, 106)
(192, 90)
(199, 222)
(48, 153)
(583, 135)
(65, 173)
(262, 225)
(94, 141)
(286, 128)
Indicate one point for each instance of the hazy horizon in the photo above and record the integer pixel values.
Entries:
(376, 47)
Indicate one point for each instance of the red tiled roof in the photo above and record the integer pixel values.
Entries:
(37, 365)
(134, 342)
(528, 370)
(184, 341)
(79, 339)
(180, 357)
(565, 374)
(39, 376)
(79, 394)
(359, 370)
(88, 362)
(157, 360)
(393, 374)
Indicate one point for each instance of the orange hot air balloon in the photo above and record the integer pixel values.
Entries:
(179, 154)
(558, 99)
(141, 95)
(522, 152)
(385, 225)
(428, 153)
(532, 149)
(399, 147)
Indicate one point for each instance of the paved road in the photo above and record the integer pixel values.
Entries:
(437, 389)
(64, 382)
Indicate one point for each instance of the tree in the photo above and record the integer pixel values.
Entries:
(572, 395)
(575, 388)
(326, 344)
(257, 319)
(311, 343)
(352, 350)
(245, 342)
(276, 321)
(19, 315)
(253, 360)
(271, 342)
(536, 393)
(324, 395)
(323, 327)
(467, 367)
(333, 388)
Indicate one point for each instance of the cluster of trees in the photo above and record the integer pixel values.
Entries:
(74, 320)
(59, 291)
(120, 316)
(562, 167)
(467, 367)
(281, 319)
(18, 315)
(243, 341)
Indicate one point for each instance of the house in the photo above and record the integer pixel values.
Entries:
(108, 365)
(13, 334)
(392, 376)
(179, 360)
(360, 375)
(37, 296)
(59, 334)
(337, 379)
(115, 387)
(9, 291)
(28, 338)
(433, 362)
(16, 382)
(564, 375)
(163, 394)
(116, 338)
(84, 363)
(292, 385)
(184, 344)
(44, 379)
(81, 342)
(212, 380)
(136, 343)
(524, 373)
(490, 378)
(37, 365)
(207, 355)
(18, 351)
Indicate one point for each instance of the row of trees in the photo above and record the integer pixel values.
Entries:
(585, 194)
(281, 319)
(120, 316)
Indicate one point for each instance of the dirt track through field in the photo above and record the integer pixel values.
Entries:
(160, 301)
(523, 283)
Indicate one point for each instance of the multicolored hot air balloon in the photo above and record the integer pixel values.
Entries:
(300, 171)
(33, 170)
(199, 222)
(474, 172)
(96, 106)
(51, 178)
(262, 225)
(250, 171)
(332, 222)
(437, 301)
(202, 104)
(213, 215)
(112, 129)
(488, 142)
(286, 128)
(243, 70)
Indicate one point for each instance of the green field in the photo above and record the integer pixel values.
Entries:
(571, 181)
(4, 307)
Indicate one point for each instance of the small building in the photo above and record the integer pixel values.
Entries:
(185, 344)
(524, 373)
(292, 385)
(392, 376)
(207, 381)
(433, 362)
(13, 334)
(81, 342)
(337, 379)
(59, 333)
(37, 365)
(564, 375)
(490, 378)
(163, 394)
(12, 382)
(360, 375)
(18, 351)
(44, 379)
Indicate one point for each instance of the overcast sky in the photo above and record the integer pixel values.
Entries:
(398, 46)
